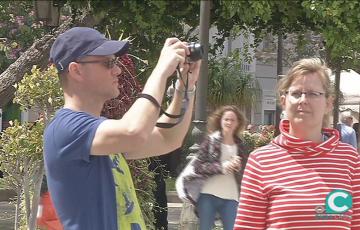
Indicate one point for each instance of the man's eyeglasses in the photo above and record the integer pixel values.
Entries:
(310, 94)
(108, 64)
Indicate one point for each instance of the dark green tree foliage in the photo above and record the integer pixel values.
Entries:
(261, 17)
(18, 30)
(146, 23)
(339, 24)
(336, 21)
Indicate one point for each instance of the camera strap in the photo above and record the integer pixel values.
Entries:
(185, 103)
(184, 107)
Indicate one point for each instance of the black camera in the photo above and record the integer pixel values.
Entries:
(196, 52)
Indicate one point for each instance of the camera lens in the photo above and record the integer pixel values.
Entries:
(196, 52)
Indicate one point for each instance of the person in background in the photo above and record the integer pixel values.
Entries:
(47, 218)
(163, 166)
(356, 128)
(347, 133)
(305, 178)
(213, 184)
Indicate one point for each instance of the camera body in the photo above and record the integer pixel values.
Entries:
(196, 52)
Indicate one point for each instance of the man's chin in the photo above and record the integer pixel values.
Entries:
(113, 96)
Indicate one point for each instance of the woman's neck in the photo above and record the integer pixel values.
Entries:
(228, 139)
(310, 135)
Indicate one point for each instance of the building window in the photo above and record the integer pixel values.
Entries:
(269, 117)
(245, 67)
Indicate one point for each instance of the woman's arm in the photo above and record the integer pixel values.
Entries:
(205, 164)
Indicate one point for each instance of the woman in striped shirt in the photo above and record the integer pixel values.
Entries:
(305, 178)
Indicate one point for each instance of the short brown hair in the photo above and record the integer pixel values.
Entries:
(214, 120)
(63, 78)
(303, 67)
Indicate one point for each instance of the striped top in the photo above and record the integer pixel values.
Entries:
(296, 184)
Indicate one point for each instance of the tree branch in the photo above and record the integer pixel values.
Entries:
(37, 54)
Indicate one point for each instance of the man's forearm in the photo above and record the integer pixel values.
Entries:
(144, 114)
(177, 133)
(162, 140)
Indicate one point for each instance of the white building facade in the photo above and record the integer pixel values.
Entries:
(263, 111)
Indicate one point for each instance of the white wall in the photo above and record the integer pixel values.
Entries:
(29, 116)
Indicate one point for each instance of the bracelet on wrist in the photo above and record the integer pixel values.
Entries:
(190, 91)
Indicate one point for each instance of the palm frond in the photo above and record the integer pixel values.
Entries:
(230, 84)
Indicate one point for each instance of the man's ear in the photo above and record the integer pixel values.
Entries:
(75, 71)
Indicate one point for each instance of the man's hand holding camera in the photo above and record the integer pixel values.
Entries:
(172, 54)
(182, 55)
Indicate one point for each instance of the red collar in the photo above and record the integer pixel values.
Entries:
(295, 145)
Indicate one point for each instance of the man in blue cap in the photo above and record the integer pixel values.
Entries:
(78, 142)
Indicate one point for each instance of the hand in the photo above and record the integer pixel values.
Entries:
(190, 70)
(227, 168)
(232, 165)
(172, 54)
(237, 163)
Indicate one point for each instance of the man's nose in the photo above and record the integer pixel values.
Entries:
(117, 70)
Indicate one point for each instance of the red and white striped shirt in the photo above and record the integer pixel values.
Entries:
(291, 183)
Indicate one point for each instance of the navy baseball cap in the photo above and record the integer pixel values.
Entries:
(79, 42)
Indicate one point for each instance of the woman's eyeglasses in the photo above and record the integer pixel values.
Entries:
(310, 94)
(108, 64)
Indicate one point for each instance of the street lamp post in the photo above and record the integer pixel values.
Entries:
(279, 71)
(202, 86)
(188, 220)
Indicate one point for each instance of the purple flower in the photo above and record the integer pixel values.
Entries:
(13, 31)
(20, 20)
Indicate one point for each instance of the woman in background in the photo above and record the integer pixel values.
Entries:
(212, 181)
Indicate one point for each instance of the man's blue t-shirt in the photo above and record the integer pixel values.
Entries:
(81, 185)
